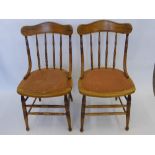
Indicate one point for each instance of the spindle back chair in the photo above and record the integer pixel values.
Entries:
(105, 81)
(47, 81)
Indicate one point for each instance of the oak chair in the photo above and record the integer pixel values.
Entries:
(47, 81)
(105, 82)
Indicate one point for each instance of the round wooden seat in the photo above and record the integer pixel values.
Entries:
(105, 83)
(45, 83)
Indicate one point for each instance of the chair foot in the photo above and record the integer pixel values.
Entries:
(127, 128)
(70, 97)
(81, 130)
(69, 129)
(27, 129)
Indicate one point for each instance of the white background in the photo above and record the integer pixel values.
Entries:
(141, 59)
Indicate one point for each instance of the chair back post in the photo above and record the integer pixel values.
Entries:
(29, 58)
(70, 56)
(82, 56)
(125, 56)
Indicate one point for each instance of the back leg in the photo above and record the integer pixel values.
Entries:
(25, 112)
(67, 106)
(128, 112)
(83, 112)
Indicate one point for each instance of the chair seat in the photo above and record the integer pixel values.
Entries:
(45, 83)
(105, 82)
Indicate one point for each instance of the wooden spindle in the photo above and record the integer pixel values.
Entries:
(70, 57)
(38, 55)
(125, 56)
(115, 46)
(99, 49)
(46, 56)
(29, 58)
(53, 41)
(106, 52)
(60, 51)
(91, 51)
(82, 56)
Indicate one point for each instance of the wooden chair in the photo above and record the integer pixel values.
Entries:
(46, 82)
(105, 81)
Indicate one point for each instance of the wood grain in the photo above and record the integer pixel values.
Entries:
(47, 27)
(104, 26)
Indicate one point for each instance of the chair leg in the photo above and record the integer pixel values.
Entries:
(39, 99)
(67, 105)
(25, 112)
(115, 98)
(128, 112)
(70, 97)
(83, 112)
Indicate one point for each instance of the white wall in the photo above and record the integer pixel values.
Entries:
(141, 59)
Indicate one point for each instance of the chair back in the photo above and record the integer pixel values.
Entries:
(52, 29)
(104, 26)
